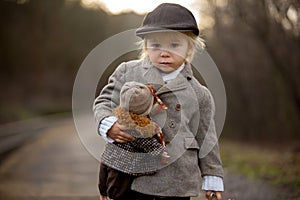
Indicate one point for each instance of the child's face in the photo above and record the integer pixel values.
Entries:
(167, 51)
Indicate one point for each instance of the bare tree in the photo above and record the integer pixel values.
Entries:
(256, 45)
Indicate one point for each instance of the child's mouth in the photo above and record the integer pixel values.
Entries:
(165, 63)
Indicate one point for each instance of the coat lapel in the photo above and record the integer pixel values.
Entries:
(153, 76)
(179, 83)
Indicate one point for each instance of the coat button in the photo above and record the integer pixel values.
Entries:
(178, 107)
(172, 124)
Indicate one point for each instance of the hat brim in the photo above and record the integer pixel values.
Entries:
(141, 32)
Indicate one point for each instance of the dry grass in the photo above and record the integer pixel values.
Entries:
(279, 167)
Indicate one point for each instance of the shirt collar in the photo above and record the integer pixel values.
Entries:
(170, 76)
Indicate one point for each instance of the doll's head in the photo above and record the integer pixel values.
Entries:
(170, 36)
(136, 98)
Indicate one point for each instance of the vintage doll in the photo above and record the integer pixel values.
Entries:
(120, 162)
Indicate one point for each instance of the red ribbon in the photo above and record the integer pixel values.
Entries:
(158, 100)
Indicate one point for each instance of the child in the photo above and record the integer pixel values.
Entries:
(122, 161)
(170, 38)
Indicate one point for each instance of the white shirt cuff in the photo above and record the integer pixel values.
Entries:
(213, 183)
(104, 127)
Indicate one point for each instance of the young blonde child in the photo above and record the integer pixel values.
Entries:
(170, 38)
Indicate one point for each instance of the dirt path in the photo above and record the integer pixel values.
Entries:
(55, 165)
(241, 188)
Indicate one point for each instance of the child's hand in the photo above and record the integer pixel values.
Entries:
(218, 195)
(118, 135)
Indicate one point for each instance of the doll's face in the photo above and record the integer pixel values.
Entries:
(167, 50)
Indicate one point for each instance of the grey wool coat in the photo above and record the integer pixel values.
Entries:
(188, 128)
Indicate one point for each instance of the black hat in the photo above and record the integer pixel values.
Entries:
(168, 16)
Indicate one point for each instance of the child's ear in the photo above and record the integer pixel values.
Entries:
(192, 46)
(190, 49)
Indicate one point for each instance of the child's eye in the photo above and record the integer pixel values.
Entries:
(155, 46)
(174, 45)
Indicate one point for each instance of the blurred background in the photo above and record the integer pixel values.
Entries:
(255, 44)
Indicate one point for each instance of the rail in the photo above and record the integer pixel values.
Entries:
(15, 134)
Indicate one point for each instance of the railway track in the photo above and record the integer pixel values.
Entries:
(14, 134)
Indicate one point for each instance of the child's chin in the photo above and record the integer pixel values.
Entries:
(165, 69)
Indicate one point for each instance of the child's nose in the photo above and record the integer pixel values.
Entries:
(164, 53)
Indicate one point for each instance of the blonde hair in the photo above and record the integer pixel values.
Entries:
(195, 42)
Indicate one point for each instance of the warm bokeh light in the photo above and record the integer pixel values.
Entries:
(141, 7)
(119, 6)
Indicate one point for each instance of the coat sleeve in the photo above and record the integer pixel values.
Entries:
(209, 155)
(110, 94)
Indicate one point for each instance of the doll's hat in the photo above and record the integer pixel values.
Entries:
(168, 17)
(136, 97)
